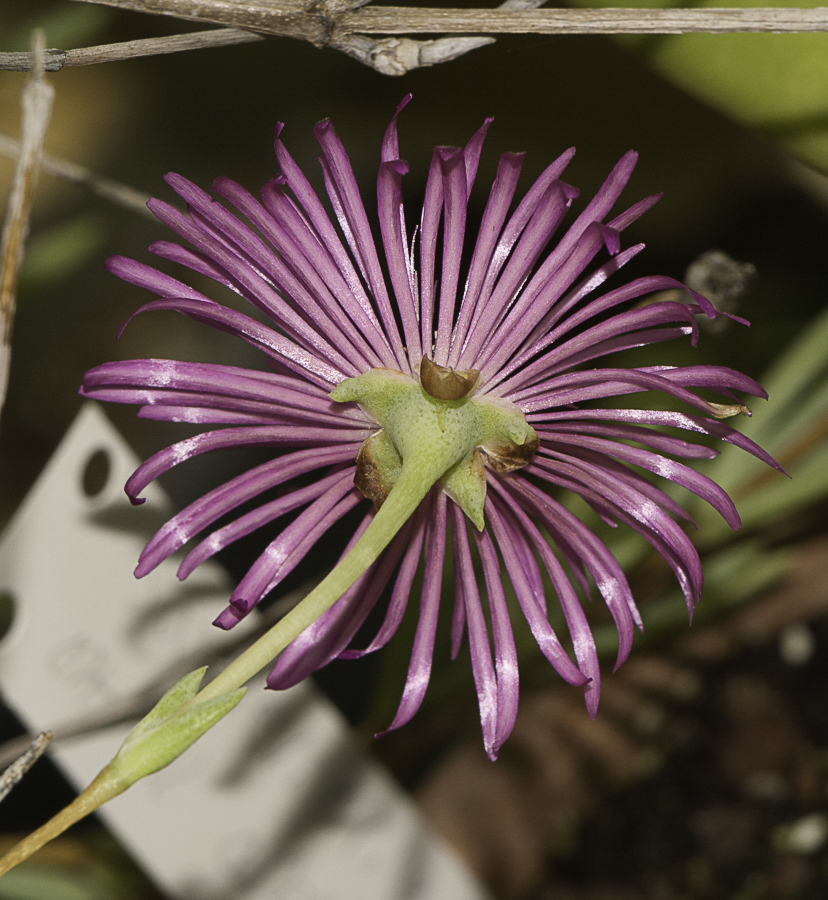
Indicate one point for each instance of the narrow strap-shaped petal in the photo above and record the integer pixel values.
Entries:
(315, 368)
(195, 261)
(189, 403)
(483, 671)
(497, 206)
(429, 227)
(697, 424)
(626, 218)
(419, 670)
(402, 588)
(472, 151)
(330, 634)
(509, 236)
(676, 472)
(574, 387)
(583, 642)
(598, 307)
(253, 286)
(718, 378)
(597, 340)
(392, 225)
(267, 570)
(657, 440)
(509, 329)
(194, 518)
(309, 246)
(458, 612)
(497, 299)
(344, 185)
(506, 663)
(455, 198)
(257, 518)
(390, 148)
(681, 563)
(227, 438)
(540, 295)
(224, 381)
(318, 218)
(514, 547)
(304, 282)
(232, 615)
(634, 504)
(584, 288)
(609, 578)
(202, 415)
(622, 471)
(142, 275)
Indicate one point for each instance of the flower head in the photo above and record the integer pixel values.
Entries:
(458, 411)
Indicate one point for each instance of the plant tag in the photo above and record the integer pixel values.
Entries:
(277, 801)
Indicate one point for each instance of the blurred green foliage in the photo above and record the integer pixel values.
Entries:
(775, 83)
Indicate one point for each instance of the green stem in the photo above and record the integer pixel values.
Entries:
(106, 786)
(415, 481)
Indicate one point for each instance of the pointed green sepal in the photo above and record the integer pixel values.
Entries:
(173, 700)
(465, 483)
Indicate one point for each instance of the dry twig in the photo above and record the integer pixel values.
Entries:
(344, 26)
(15, 772)
(117, 193)
(37, 108)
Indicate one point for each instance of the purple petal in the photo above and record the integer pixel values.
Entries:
(514, 546)
(419, 670)
(583, 642)
(283, 553)
(342, 184)
(392, 226)
(481, 656)
(226, 438)
(506, 664)
(494, 216)
(402, 589)
(699, 484)
(455, 196)
(328, 636)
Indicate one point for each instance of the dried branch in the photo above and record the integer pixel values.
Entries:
(324, 22)
(342, 26)
(114, 191)
(89, 56)
(37, 108)
(15, 772)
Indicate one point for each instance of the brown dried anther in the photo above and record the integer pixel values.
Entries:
(506, 456)
(378, 466)
(443, 383)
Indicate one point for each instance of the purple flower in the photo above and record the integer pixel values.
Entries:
(523, 334)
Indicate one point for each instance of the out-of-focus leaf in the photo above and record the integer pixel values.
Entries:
(60, 251)
(793, 427)
(66, 26)
(775, 82)
(37, 882)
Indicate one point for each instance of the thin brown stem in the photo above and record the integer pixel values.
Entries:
(345, 27)
(37, 100)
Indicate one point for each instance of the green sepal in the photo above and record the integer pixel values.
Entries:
(465, 483)
(170, 728)
(177, 696)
